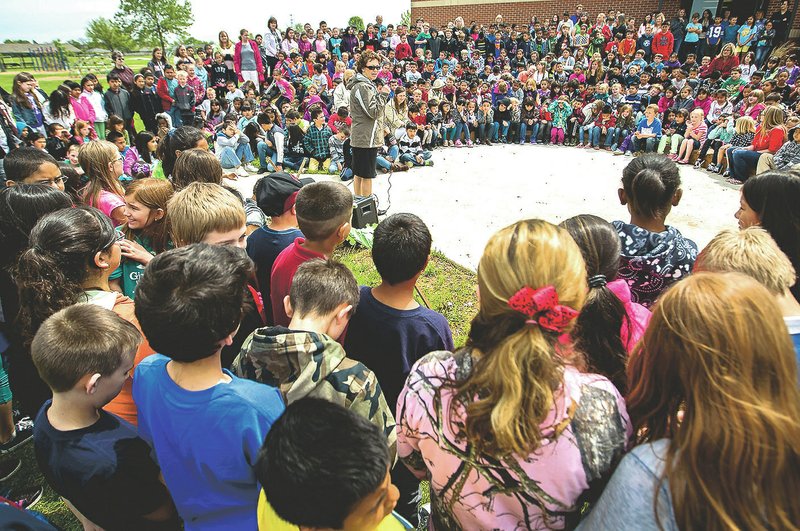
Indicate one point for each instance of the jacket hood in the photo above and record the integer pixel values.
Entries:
(296, 362)
(356, 79)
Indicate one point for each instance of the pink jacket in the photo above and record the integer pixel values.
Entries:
(638, 315)
(83, 109)
(237, 60)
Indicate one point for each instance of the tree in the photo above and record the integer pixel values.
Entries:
(155, 21)
(356, 22)
(103, 33)
(405, 18)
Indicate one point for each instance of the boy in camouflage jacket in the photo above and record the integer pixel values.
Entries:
(305, 360)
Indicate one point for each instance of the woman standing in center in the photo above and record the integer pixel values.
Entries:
(247, 60)
(508, 431)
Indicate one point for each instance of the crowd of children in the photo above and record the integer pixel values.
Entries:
(195, 359)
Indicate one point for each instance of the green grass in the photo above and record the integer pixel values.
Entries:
(448, 287)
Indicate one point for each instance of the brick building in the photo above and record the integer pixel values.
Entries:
(439, 12)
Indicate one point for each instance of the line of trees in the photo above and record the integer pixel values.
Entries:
(140, 23)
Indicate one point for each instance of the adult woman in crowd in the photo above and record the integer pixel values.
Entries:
(156, 63)
(770, 136)
(772, 201)
(122, 70)
(182, 55)
(715, 408)
(725, 61)
(226, 47)
(366, 109)
(496, 426)
(395, 114)
(247, 60)
(272, 44)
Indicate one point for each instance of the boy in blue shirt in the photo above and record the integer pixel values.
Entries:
(94, 459)
(714, 36)
(205, 425)
(731, 31)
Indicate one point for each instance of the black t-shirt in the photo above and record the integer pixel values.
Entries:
(105, 470)
(390, 341)
(263, 247)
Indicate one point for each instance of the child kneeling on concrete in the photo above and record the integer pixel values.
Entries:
(92, 458)
(305, 359)
(325, 467)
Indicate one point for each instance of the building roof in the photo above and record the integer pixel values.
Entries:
(17, 49)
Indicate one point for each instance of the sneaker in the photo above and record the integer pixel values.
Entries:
(249, 168)
(726, 174)
(9, 467)
(618, 152)
(487, 142)
(628, 154)
(613, 147)
(429, 162)
(470, 144)
(262, 171)
(241, 172)
(408, 165)
(698, 163)
(579, 145)
(397, 166)
(458, 143)
(24, 497)
(711, 168)
(596, 148)
(22, 434)
(533, 141)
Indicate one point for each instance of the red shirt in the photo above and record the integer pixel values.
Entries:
(402, 51)
(771, 141)
(335, 122)
(283, 271)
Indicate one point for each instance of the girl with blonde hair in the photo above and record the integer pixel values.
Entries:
(745, 129)
(502, 426)
(770, 135)
(102, 163)
(716, 409)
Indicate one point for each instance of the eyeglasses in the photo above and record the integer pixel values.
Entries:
(372, 67)
(52, 182)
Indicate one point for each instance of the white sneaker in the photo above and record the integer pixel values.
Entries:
(241, 172)
(249, 168)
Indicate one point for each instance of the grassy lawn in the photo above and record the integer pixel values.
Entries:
(448, 287)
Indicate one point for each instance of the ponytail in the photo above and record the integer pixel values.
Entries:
(650, 183)
(43, 289)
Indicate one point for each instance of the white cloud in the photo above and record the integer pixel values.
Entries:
(44, 20)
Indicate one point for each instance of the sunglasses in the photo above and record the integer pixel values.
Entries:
(374, 67)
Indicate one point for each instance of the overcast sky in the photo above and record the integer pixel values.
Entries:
(44, 20)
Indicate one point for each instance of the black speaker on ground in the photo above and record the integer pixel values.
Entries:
(365, 212)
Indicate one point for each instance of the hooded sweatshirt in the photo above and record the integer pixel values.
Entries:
(304, 364)
(366, 110)
(653, 261)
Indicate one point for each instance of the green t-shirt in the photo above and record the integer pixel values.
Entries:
(131, 271)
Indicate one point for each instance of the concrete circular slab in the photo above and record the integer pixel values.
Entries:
(471, 193)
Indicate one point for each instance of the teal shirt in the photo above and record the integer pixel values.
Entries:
(692, 37)
(131, 271)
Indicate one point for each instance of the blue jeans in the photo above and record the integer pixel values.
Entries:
(742, 162)
(595, 134)
(614, 135)
(334, 167)
(293, 162)
(265, 151)
(497, 127)
(761, 55)
(648, 145)
(410, 157)
(460, 130)
(175, 114)
(381, 162)
(523, 130)
(487, 131)
(393, 152)
(588, 132)
(229, 158)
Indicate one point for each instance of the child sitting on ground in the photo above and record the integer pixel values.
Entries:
(305, 359)
(94, 459)
(323, 466)
(232, 148)
(204, 424)
(323, 211)
(275, 195)
(411, 152)
(650, 188)
(336, 147)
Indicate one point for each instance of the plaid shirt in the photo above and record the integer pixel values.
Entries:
(316, 141)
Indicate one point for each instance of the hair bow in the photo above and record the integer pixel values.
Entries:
(542, 308)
